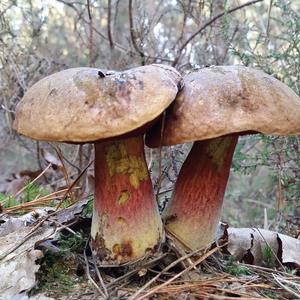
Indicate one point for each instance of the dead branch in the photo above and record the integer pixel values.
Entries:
(208, 23)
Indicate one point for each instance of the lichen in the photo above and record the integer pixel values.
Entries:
(120, 162)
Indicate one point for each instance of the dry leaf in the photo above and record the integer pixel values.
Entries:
(18, 266)
(253, 245)
(9, 223)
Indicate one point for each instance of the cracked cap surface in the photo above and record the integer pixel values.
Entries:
(88, 104)
(222, 100)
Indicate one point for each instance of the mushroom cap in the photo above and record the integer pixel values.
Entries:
(87, 104)
(221, 100)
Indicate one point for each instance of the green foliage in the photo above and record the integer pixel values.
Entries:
(274, 48)
(72, 243)
(268, 257)
(56, 276)
(270, 294)
(9, 200)
(233, 268)
(88, 209)
(31, 192)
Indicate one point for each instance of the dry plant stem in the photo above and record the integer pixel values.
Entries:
(24, 188)
(195, 207)
(167, 268)
(126, 223)
(89, 275)
(208, 23)
(197, 262)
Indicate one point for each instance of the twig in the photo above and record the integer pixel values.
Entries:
(26, 186)
(269, 17)
(88, 272)
(109, 34)
(16, 246)
(173, 264)
(276, 277)
(91, 31)
(99, 276)
(64, 169)
(73, 184)
(278, 260)
(208, 23)
(41, 222)
(197, 262)
(132, 272)
(160, 152)
(132, 31)
(35, 202)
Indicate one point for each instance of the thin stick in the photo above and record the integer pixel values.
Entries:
(278, 260)
(208, 23)
(160, 155)
(99, 276)
(66, 175)
(109, 34)
(16, 246)
(88, 272)
(41, 222)
(132, 272)
(25, 187)
(151, 292)
(285, 287)
(173, 264)
(132, 31)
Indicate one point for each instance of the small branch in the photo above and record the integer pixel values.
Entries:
(109, 34)
(132, 31)
(89, 274)
(269, 17)
(208, 23)
(173, 264)
(90, 33)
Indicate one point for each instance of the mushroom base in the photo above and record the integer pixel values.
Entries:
(126, 223)
(194, 211)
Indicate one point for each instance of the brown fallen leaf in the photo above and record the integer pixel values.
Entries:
(18, 260)
(254, 245)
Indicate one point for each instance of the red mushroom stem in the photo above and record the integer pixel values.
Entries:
(126, 223)
(194, 211)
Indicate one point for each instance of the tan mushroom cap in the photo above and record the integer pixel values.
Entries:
(81, 104)
(221, 100)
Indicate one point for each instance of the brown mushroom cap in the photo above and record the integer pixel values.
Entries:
(221, 100)
(87, 104)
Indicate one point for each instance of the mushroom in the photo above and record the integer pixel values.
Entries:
(216, 105)
(112, 110)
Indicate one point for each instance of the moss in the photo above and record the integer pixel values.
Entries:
(120, 162)
(235, 269)
(57, 275)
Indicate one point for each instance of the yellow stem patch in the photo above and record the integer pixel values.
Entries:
(120, 162)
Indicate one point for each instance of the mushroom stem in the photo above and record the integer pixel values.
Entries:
(194, 210)
(126, 223)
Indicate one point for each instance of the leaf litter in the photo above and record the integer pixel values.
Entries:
(45, 253)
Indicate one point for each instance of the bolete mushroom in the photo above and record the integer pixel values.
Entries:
(216, 105)
(112, 110)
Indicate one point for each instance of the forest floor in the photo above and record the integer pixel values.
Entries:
(66, 268)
